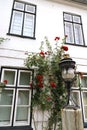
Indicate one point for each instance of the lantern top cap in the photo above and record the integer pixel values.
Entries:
(67, 63)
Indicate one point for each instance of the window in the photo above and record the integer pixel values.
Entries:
(84, 96)
(15, 98)
(23, 20)
(81, 97)
(73, 28)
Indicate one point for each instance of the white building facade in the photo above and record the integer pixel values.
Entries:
(25, 23)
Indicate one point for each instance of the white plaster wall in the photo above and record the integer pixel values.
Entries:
(49, 22)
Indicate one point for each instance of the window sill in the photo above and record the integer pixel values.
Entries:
(76, 45)
(16, 35)
(16, 128)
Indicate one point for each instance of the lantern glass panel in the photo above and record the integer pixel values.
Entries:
(68, 74)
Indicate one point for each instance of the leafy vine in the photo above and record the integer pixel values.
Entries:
(48, 84)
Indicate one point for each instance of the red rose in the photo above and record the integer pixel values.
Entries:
(65, 48)
(57, 38)
(5, 81)
(53, 85)
(40, 80)
(42, 53)
(39, 77)
(40, 85)
(46, 53)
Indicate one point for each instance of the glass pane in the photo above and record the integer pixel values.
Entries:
(5, 113)
(23, 97)
(78, 34)
(6, 97)
(85, 98)
(84, 82)
(19, 6)
(23, 105)
(69, 32)
(22, 114)
(76, 98)
(17, 19)
(67, 17)
(9, 76)
(24, 78)
(76, 19)
(28, 25)
(30, 8)
(85, 110)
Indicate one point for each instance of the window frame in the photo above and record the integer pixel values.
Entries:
(81, 89)
(1, 125)
(19, 78)
(24, 13)
(82, 93)
(7, 69)
(17, 123)
(78, 92)
(73, 23)
(15, 88)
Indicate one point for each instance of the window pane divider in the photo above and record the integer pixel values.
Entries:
(23, 105)
(5, 105)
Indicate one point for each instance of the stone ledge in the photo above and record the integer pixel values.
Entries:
(72, 119)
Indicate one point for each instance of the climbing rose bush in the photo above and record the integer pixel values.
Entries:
(49, 90)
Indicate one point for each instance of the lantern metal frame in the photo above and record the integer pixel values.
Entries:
(68, 63)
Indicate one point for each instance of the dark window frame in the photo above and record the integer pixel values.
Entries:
(24, 12)
(72, 25)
